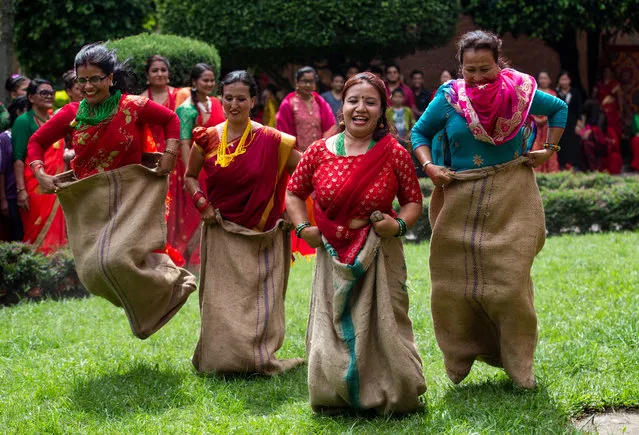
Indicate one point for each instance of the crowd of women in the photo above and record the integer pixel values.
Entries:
(152, 174)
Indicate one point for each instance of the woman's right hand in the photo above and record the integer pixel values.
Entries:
(439, 175)
(312, 236)
(208, 215)
(48, 183)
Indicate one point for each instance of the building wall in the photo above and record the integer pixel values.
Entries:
(525, 54)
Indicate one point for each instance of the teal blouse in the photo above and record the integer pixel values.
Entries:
(452, 144)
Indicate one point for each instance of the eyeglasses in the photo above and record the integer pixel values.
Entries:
(94, 80)
(44, 93)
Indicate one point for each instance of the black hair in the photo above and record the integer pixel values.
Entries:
(398, 91)
(306, 69)
(69, 79)
(271, 87)
(196, 73)
(481, 40)
(391, 65)
(415, 72)
(18, 104)
(338, 74)
(14, 82)
(594, 114)
(32, 89)
(99, 55)
(563, 72)
(240, 76)
(376, 70)
(156, 58)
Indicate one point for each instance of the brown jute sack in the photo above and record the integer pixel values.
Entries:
(115, 220)
(488, 226)
(243, 279)
(360, 346)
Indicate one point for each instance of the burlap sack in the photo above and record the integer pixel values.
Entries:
(115, 220)
(360, 346)
(243, 279)
(488, 226)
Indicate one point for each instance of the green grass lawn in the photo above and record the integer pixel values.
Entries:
(74, 367)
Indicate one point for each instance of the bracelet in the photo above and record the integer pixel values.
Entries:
(300, 227)
(426, 163)
(20, 189)
(36, 162)
(552, 147)
(196, 197)
(202, 207)
(38, 166)
(171, 152)
(402, 227)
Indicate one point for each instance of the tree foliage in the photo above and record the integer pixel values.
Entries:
(550, 20)
(183, 53)
(276, 32)
(48, 33)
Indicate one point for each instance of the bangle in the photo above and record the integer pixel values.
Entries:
(38, 166)
(552, 147)
(171, 152)
(20, 189)
(402, 227)
(36, 162)
(426, 163)
(196, 197)
(300, 227)
(202, 207)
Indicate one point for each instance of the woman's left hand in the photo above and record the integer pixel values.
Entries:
(388, 227)
(538, 158)
(166, 164)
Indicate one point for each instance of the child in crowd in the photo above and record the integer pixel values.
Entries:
(401, 116)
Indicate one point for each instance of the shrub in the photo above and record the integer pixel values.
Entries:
(182, 53)
(25, 273)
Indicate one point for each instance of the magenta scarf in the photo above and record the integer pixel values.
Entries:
(494, 112)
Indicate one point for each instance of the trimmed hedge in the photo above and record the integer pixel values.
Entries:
(25, 273)
(573, 203)
(183, 53)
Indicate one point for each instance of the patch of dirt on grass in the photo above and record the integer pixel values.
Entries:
(623, 421)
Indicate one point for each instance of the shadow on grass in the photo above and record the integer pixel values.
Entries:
(259, 394)
(500, 407)
(141, 389)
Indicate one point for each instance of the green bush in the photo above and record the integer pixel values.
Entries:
(182, 53)
(573, 203)
(25, 273)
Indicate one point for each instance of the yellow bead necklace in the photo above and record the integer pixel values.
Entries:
(224, 159)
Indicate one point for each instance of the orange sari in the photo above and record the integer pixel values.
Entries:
(43, 223)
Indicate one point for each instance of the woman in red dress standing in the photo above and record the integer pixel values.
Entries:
(552, 164)
(609, 96)
(199, 110)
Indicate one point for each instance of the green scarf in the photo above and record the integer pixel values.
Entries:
(92, 115)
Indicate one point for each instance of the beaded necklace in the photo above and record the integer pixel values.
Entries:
(39, 120)
(340, 148)
(224, 159)
(92, 115)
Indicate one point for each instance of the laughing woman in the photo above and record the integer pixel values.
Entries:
(115, 211)
(245, 247)
(359, 344)
(486, 212)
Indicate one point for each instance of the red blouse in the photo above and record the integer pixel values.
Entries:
(110, 144)
(321, 171)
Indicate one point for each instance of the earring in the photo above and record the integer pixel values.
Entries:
(193, 89)
(381, 124)
(342, 124)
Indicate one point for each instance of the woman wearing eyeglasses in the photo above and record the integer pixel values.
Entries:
(116, 209)
(42, 218)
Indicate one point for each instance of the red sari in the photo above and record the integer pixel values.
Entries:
(184, 220)
(611, 108)
(352, 187)
(250, 191)
(116, 142)
(43, 223)
(552, 164)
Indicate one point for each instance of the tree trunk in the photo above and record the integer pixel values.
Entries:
(6, 45)
(594, 50)
(568, 53)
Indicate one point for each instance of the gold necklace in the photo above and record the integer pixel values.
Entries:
(224, 159)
